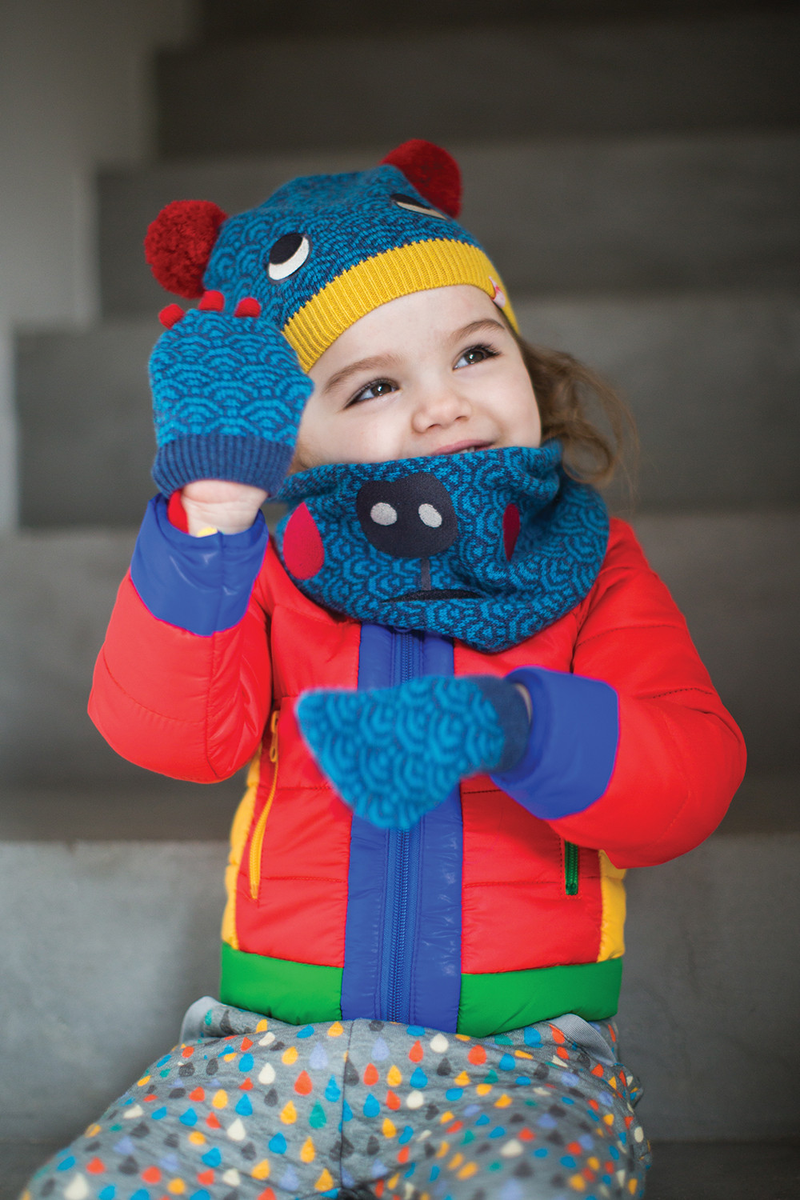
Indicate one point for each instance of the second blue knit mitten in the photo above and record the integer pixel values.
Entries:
(394, 753)
(228, 395)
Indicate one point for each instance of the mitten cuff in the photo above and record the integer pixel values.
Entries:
(249, 459)
(512, 717)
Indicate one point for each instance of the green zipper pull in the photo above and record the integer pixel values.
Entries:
(571, 854)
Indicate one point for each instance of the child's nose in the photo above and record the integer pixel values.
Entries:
(439, 405)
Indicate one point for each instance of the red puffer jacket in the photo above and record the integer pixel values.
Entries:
(484, 918)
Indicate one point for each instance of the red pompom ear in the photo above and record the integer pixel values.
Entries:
(179, 244)
(434, 173)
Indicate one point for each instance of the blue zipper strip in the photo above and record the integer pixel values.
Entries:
(402, 884)
(436, 976)
(403, 931)
(369, 864)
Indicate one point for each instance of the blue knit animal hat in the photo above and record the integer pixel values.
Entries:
(324, 250)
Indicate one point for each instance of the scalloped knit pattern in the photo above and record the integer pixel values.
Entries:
(225, 386)
(562, 540)
(394, 753)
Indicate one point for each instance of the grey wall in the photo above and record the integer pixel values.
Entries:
(73, 95)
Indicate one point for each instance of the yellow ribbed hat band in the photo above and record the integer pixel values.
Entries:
(384, 277)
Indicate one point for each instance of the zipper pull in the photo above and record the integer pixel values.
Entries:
(257, 841)
(571, 868)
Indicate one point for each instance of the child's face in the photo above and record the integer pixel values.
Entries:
(436, 372)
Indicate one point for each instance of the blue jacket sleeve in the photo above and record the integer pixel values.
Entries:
(202, 585)
(572, 745)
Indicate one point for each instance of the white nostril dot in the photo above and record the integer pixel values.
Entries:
(383, 514)
(430, 516)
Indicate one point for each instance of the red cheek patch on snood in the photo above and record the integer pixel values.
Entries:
(510, 529)
(303, 552)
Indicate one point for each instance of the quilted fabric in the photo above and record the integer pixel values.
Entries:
(469, 589)
(394, 753)
(196, 708)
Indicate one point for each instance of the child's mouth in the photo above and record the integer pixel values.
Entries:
(463, 448)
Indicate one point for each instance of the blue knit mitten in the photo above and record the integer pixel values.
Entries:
(228, 395)
(394, 753)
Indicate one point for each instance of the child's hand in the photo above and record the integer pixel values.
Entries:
(214, 504)
(394, 753)
(228, 395)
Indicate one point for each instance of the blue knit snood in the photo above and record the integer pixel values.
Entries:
(488, 547)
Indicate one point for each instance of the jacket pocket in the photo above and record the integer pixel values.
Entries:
(571, 862)
(257, 840)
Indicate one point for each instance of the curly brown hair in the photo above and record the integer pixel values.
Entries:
(571, 397)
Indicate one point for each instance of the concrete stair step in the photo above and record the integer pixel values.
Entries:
(765, 1170)
(736, 576)
(542, 79)
(569, 216)
(709, 958)
(251, 18)
(87, 441)
(711, 379)
(122, 936)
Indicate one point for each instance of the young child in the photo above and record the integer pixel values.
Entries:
(467, 702)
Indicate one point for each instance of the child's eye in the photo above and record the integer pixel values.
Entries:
(371, 391)
(476, 354)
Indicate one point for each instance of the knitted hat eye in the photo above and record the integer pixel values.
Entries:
(432, 171)
(288, 255)
(413, 205)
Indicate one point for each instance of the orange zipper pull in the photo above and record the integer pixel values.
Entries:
(257, 843)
